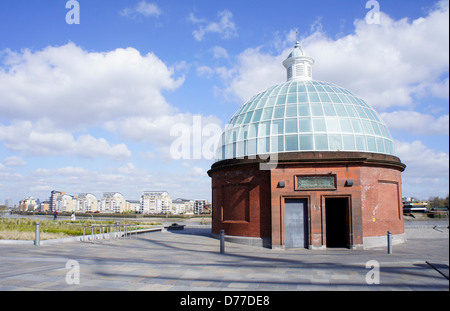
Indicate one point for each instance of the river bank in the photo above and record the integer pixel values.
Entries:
(164, 219)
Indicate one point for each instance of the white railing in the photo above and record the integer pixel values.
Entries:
(101, 233)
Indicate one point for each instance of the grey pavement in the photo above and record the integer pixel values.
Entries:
(189, 260)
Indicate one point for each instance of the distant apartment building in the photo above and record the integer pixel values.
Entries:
(133, 206)
(45, 206)
(156, 202)
(179, 206)
(66, 203)
(183, 206)
(113, 202)
(28, 205)
(87, 203)
(199, 207)
(151, 202)
(189, 207)
(53, 197)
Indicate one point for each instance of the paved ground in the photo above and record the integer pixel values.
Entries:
(190, 260)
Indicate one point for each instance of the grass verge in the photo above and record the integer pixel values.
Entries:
(24, 228)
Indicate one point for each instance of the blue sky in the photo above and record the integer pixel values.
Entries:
(89, 107)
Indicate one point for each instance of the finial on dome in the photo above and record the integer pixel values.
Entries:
(298, 66)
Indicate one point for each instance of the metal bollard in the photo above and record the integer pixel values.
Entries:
(389, 242)
(222, 241)
(37, 237)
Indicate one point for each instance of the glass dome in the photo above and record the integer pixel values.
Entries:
(304, 115)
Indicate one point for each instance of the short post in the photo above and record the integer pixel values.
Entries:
(222, 241)
(37, 237)
(117, 229)
(389, 242)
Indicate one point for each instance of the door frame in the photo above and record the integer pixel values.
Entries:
(349, 222)
(308, 218)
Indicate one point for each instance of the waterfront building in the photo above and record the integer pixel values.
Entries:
(87, 203)
(66, 203)
(113, 202)
(307, 164)
(156, 202)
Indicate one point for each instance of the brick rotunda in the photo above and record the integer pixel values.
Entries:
(307, 164)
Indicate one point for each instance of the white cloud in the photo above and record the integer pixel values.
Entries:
(143, 8)
(147, 155)
(37, 140)
(52, 95)
(417, 123)
(254, 72)
(157, 131)
(427, 171)
(14, 161)
(220, 52)
(129, 168)
(422, 161)
(91, 147)
(438, 89)
(75, 88)
(22, 136)
(198, 172)
(71, 171)
(205, 71)
(388, 64)
(225, 27)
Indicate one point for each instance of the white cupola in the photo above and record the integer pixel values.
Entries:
(298, 66)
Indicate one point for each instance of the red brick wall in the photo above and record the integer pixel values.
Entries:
(375, 200)
(247, 201)
(316, 199)
(382, 204)
(241, 201)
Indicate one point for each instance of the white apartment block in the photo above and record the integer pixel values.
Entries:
(156, 202)
(133, 206)
(189, 207)
(87, 203)
(66, 203)
(178, 207)
(28, 205)
(183, 207)
(113, 202)
(151, 202)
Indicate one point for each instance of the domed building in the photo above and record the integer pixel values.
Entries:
(307, 164)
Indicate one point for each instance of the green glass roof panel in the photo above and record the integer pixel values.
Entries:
(304, 116)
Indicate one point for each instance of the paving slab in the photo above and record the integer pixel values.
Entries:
(190, 260)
